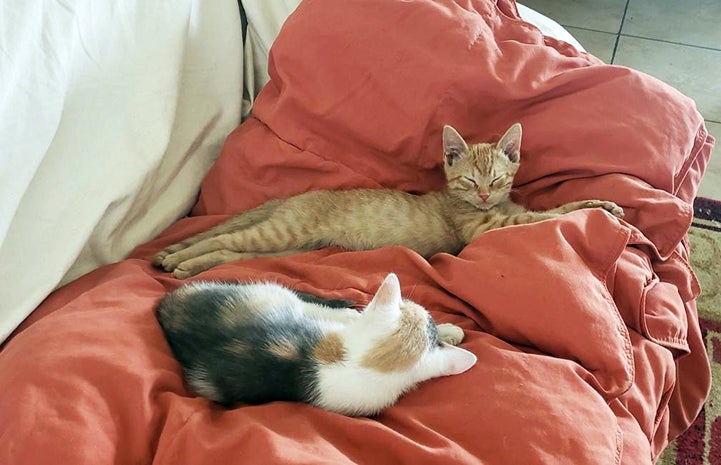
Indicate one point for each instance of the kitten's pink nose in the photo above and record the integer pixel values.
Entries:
(484, 197)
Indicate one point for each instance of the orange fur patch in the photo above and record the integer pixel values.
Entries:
(237, 347)
(229, 313)
(283, 348)
(330, 349)
(403, 348)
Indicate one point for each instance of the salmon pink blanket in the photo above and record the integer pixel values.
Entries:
(585, 326)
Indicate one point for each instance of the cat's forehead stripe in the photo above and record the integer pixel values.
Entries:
(484, 159)
(457, 178)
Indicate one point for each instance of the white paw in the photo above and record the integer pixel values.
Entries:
(171, 262)
(180, 273)
(450, 334)
(158, 258)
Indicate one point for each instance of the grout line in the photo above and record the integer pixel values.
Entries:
(618, 36)
(642, 37)
(671, 42)
(588, 29)
(712, 121)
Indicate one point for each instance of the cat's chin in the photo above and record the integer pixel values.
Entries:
(484, 206)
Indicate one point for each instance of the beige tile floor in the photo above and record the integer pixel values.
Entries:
(678, 42)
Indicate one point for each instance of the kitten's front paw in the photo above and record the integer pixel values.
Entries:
(616, 211)
(450, 334)
(158, 258)
(612, 208)
(609, 206)
(190, 268)
(181, 273)
(171, 262)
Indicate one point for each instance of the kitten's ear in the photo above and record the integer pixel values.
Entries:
(388, 296)
(456, 360)
(510, 143)
(453, 145)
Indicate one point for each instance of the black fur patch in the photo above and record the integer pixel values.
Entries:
(332, 303)
(200, 339)
(432, 332)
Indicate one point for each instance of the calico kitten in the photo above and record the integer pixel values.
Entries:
(476, 199)
(257, 343)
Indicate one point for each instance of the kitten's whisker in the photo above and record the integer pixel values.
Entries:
(413, 289)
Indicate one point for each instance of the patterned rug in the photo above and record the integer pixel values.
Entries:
(701, 443)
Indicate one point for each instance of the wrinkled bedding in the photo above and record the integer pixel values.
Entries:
(585, 327)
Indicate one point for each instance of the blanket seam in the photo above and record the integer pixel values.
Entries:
(625, 233)
(700, 140)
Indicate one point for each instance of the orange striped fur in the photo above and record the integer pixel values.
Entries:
(476, 199)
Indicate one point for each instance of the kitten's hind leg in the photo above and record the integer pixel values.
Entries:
(204, 262)
(450, 334)
(197, 250)
(222, 228)
(235, 223)
(609, 206)
(199, 264)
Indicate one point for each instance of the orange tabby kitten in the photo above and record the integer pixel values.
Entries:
(476, 199)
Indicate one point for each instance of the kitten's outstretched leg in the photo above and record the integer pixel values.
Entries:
(204, 262)
(199, 250)
(610, 207)
(529, 217)
(450, 334)
(235, 223)
(258, 240)
(196, 265)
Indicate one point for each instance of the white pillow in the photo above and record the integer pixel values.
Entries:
(111, 113)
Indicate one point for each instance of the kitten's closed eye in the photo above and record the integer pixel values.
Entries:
(500, 181)
(471, 181)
